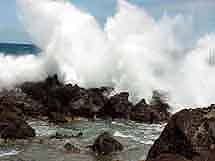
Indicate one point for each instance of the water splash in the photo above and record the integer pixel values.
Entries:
(134, 52)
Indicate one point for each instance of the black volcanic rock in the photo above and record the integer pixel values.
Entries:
(53, 100)
(12, 124)
(170, 157)
(155, 112)
(190, 134)
(40, 90)
(66, 100)
(118, 106)
(106, 144)
(88, 103)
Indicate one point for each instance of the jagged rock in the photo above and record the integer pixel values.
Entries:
(190, 134)
(40, 90)
(89, 103)
(106, 144)
(23, 104)
(57, 101)
(12, 125)
(150, 113)
(118, 106)
(67, 100)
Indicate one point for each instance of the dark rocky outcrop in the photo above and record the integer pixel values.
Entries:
(190, 134)
(155, 112)
(89, 103)
(57, 101)
(106, 144)
(12, 124)
(170, 157)
(67, 100)
(118, 106)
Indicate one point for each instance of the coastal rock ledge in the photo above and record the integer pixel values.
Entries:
(189, 136)
(56, 100)
(12, 123)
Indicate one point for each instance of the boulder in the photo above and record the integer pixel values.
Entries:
(118, 106)
(106, 144)
(190, 134)
(150, 113)
(88, 103)
(12, 125)
(71, 148)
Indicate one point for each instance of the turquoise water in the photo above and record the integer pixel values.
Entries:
(136, 138)
(18, 49)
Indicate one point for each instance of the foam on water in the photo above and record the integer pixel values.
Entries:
(8, 153)
(134, 52)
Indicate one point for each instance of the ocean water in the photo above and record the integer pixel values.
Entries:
(132, 51)
(136, 138)
(18, 49)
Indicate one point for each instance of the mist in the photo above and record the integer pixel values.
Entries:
(133, 52)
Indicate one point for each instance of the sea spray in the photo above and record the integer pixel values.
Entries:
(134, 52)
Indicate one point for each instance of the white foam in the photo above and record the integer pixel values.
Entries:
(13, 152)
(134, 52)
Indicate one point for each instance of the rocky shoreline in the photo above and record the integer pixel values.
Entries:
(60, 103)
(188, 136)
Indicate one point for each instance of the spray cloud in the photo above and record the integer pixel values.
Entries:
(134, 52)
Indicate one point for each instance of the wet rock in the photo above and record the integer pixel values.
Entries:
(20, 103)
(67, 100)
(71, 148)
(64, 136)
(89, 103)
(118, 106)
(57, 118)
(190, 134)
(106, 144)
(170, 157)
(40, 90)
(150, 113)
(58, 102)
(12, 125)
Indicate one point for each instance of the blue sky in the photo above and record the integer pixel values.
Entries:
(11, 30)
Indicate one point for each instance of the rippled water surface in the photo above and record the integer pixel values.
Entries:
(136, 138)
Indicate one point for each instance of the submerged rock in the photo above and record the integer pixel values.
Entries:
(71, 148)
(106, 144)
(190, 134)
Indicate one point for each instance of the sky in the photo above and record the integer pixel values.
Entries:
(202, 11)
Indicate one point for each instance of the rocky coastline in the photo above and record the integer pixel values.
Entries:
(60, 103)
(188, 136)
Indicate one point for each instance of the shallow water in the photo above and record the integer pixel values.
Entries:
(136, 138)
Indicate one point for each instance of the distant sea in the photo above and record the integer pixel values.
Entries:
(18, 49)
